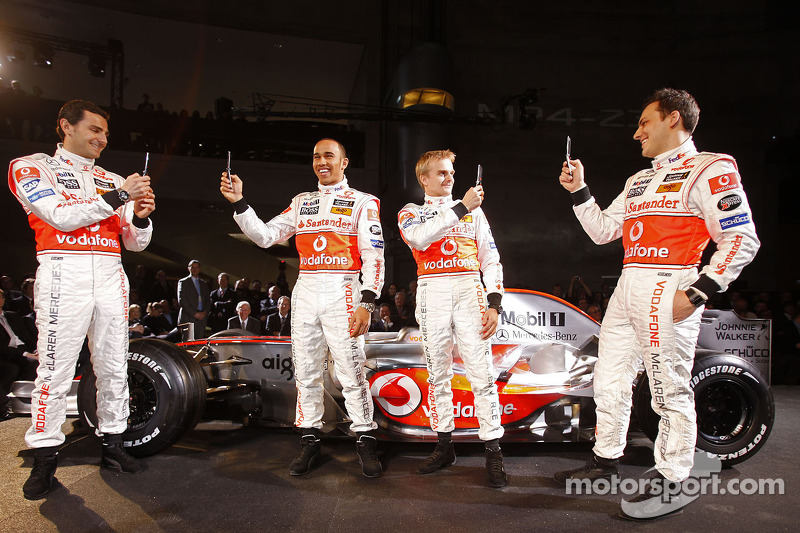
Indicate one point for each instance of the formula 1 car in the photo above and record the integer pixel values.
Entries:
(544, 353)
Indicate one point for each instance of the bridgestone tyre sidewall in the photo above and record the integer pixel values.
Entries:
(707, 371)
(177, 383)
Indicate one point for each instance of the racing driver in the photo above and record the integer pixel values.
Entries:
(78, 211)
(338, 236)
(452, 244)
(666, 215)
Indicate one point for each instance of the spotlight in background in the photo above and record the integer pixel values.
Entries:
(43, 56)
(97, 65)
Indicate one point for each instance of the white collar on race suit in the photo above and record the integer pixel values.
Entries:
(69, 155)
(686, 148)
(437, 200)
(335, 187)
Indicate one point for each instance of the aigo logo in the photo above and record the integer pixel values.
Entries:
(396, 393)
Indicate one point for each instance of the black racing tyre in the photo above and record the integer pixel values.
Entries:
(735, 408)
(167, 396)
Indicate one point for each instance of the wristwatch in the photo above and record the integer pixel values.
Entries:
(370, 307)
(696, 298)
(498, 308)
(123, 195)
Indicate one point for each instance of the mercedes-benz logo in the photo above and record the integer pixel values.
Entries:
(502, 335)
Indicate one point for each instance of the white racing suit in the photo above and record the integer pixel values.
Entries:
(452, 247)
(81, 288)
(665, 216)
(338, 235)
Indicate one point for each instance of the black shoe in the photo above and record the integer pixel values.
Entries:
(42, 478)
(494, 467)
(310, 448)
(5, 411)
(660, 499)
(116, 458)
(370, 465)
(595, 468)
(443, 455)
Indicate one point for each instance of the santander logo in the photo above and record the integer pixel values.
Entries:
(396, 393)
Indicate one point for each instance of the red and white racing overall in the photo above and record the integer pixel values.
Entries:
(81, 288)
(452, 247)
(665, 215)
(338, 236)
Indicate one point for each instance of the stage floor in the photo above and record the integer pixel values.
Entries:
(238, 479)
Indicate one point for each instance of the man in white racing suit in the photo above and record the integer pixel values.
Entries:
(339, 236)
(665, 215)
(452, 244)
(78, 212)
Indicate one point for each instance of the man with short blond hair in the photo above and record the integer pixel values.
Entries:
(453, 245)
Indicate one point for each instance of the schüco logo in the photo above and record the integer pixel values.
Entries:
(396, 393)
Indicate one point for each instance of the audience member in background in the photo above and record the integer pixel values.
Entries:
(404, 313)
(385, 322)
(223, 304)
(595, 312)
(169, 312)
(135, 328)
(18, 359)
(388, 296)
(786, 346)
(24, 304)
(11, 292)
(581, 291)
(255, 295)
(193, 296)
(241, 290)
(161, 288)
(740, 306)
(244, 320)
(269, 305)
(557, 291)
(280, 322)
(157, 324)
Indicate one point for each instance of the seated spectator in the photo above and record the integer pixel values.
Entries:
(23, 305)
(595, 312)
(244, 320)
(280, 322)
(404, 314)
(155, 321)
(18, 359)
(135, 328)
(388, 296)
(385, 322)
(169, 313)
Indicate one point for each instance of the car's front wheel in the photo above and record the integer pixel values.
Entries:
(167, 396)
